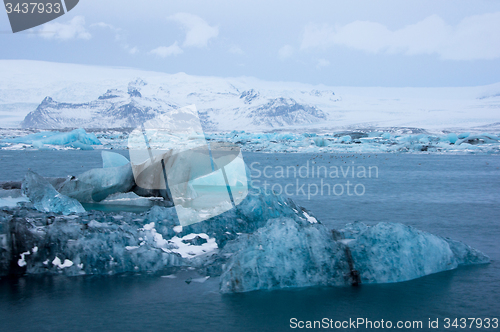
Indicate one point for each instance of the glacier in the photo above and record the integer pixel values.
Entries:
(93, 97)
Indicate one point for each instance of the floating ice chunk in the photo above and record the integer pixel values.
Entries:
(479, 139)
(97, 184)
(129, 198)
(451, 137)
(10, 198)
(112, 159)
(393, 252)
(290, 252)
(465, 254)
(345, 139)
(386, 135)
(170, 276)
(284, 253)
(77, 138)
(45, 198)
(200, 280)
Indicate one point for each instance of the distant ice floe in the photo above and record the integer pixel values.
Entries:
(47, 140)
(395, 141)
(361, 142)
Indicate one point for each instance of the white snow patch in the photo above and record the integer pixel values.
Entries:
(346, 241)
(309, 218)
(149, 226)
(57, 262)
(187, 250)
(170, 276)
(178, 229)
(131, 247)
(21, 262)
(95, 224)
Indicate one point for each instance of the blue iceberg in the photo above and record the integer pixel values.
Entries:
(265, 242)
(291, 252)
(45, 198)
(285, 253)
(393, 252)
(97, 184)
(112, 159)
(78, 139)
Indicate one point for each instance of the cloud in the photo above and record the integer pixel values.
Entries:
(74, 29)
(474, 38)
(236, 50)
(322, 63)
(104, 26)
(164, 51)
(132, 50)
(198, 32)
(285, 52)
(120, 36)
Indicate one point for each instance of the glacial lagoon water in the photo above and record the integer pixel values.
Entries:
(449, 195)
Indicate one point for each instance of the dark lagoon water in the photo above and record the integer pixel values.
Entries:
(450, 195)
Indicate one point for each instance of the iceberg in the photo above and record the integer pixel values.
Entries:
(285, 253)
(98, 183)
(45, 198)
(292, 252)
(78, 139)
(265, 242)
(10, 198)
(78, 245)
(478, 139)
(5, 243)
(112, 159)
(398, 141)
(393, 252)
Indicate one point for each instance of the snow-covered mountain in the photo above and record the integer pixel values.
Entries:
(119, 109)
(113, 109)
(37, 94)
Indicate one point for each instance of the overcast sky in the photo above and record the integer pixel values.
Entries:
(339, 43)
